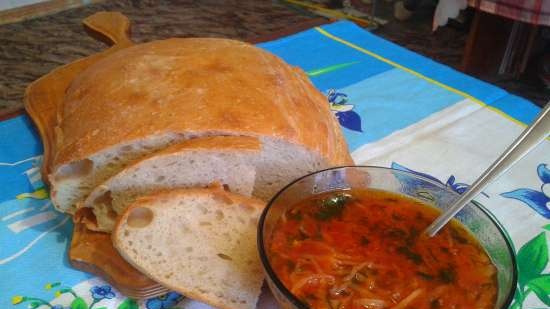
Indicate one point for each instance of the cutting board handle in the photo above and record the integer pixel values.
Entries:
(112, 28)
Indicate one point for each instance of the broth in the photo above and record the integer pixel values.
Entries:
(365, 249)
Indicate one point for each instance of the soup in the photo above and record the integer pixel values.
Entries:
(365, 249)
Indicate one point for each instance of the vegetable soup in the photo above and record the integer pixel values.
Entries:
(366, 249)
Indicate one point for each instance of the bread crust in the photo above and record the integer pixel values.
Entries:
(215, 143)
(195, 85)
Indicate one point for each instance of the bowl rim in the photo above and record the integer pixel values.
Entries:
(296, 302)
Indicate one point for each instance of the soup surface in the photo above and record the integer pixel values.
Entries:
(366, 249)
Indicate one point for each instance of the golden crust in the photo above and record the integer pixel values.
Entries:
(216, 143)
(219, 86)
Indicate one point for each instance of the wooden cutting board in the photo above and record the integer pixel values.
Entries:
(93, 252)
(90, 251)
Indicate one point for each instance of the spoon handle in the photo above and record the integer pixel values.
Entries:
(529, 138)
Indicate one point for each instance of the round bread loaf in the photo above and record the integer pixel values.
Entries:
(144, 98)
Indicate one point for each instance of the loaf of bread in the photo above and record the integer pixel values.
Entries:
(198, 162)
(145, 98)
(199, 242)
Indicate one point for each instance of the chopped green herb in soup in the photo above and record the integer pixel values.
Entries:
(365, 249)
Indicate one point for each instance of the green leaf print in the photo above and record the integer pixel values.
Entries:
(128, 304)
(532, 259)
(541, 293)
(79, 303)
(542, 281)
(541, 287)
(547, 227)
(330, 68)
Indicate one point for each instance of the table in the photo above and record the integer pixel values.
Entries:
(494, 41)
(402, 110)
(536, 12)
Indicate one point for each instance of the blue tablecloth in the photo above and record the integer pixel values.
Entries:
(396, 108)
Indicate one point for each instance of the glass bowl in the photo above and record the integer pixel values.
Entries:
(483, 225)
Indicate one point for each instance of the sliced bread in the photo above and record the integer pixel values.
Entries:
(198, 162)
(199, 242)
(231, 164)
(146, 97)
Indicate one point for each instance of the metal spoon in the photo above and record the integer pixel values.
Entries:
(529, 138)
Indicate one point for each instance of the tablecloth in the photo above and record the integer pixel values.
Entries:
(396, 108)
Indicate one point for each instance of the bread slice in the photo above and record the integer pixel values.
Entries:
(149, 96)
(198, 162)
(274, 166)
(199, 242)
